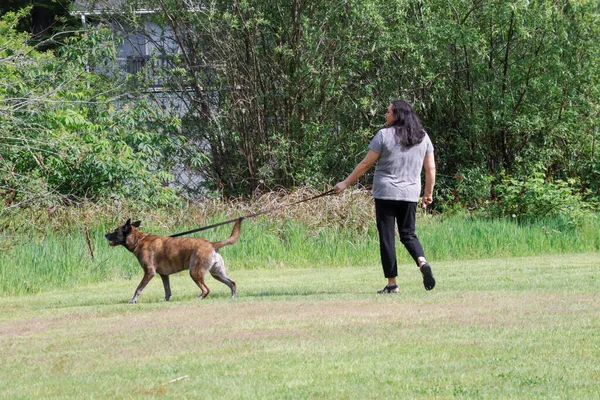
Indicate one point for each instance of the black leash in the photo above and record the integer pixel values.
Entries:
(327, 193)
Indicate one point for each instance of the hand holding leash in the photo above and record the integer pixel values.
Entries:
(340, 187)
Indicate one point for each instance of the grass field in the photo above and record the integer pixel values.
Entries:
(506, 328)
(61, 257)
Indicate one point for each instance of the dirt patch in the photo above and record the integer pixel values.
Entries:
(36, 324)
(260, 319)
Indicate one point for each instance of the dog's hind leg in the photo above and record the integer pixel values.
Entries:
(148, 275)
(197, 273)
(225, 279)
(165, 280)
(217, 270)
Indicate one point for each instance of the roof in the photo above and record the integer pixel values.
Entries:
(99, 7)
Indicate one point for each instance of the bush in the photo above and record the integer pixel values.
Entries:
(536, 197)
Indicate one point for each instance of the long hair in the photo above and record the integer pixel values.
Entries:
(409, 130)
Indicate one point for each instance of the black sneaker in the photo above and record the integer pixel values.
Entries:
(388, 289)
(428, 279)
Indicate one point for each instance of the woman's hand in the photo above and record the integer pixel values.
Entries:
(427, 200)
(340, 187)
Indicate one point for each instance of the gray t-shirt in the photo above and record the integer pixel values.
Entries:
(398, 170)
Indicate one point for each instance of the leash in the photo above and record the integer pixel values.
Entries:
(327, 193)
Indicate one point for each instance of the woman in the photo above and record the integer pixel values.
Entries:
(401, 149)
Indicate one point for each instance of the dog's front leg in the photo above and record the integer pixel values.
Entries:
(165, 279)
(148, 275)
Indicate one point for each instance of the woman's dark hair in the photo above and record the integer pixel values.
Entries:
(409, 130)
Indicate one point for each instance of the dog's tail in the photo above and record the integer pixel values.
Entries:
(235, 234)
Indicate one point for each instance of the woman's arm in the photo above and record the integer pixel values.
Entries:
(362, 167)
(429, 165)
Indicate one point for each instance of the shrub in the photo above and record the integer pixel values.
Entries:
(536, 197)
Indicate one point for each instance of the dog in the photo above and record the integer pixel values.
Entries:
(165, 255)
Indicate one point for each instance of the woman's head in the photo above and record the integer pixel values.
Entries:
(408, 127)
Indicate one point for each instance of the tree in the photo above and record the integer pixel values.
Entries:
(514, 86)
(287, 93)
(69, 134)
(290, 93)
(47, 17)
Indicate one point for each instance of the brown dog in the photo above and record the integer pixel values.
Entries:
(166, 255)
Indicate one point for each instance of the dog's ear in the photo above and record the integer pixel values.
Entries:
(128, 222)
(137, 224)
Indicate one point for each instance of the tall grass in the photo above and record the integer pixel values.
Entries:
(45, 249)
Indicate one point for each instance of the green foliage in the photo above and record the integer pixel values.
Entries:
(70, 134)
(536, 197)
(470, 189)
(49, 21)
(513, 85)
(290, 93)
(297, 88)
(284, 94)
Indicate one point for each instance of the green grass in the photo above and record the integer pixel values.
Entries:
(61, 258)
(503, 321)
(518, 328)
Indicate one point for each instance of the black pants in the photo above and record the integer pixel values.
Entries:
(388, 213)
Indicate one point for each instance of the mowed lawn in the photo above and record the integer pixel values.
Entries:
(495, 329)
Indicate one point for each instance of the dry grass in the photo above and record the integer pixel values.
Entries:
(249, 319)
(354, 208)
